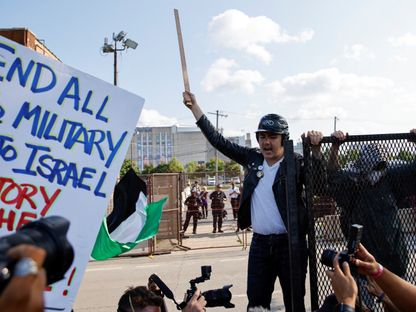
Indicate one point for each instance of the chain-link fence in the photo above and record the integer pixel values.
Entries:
(368, 180)
(212, 178)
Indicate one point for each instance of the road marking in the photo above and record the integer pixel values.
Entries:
(104, 269)
(233, 259)
(147, 266)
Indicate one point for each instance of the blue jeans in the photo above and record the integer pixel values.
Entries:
(269, 259)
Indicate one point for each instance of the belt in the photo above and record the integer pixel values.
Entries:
(270, 236)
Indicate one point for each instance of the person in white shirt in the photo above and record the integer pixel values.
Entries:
(234, 194)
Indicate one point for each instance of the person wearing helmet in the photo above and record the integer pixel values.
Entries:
(263, 206)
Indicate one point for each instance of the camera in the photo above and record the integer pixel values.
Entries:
(48, 233)
(215, 298)
(354, 239)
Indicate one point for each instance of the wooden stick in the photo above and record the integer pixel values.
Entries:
(182, 52)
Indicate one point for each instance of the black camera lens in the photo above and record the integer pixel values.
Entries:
(328, 255)
(219, 297)
(47, 233)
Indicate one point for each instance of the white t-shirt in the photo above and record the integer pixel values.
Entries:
(265, 217)
(233, 192)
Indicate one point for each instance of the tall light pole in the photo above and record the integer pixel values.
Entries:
(112, 48)
(335, 123)
(218, 114)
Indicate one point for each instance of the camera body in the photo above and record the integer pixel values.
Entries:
(354, 239)
(215, 298)
(220, 297)
(48, 233)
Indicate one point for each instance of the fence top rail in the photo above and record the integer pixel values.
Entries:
(367, 137)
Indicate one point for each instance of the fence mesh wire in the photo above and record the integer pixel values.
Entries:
(368, 180)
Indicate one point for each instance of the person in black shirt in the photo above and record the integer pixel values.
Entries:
(217, 205)
(193, 203)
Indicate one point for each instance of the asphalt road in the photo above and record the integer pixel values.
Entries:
(105, 281)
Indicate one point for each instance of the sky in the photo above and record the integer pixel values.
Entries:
(309, 61)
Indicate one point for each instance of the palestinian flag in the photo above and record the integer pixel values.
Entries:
(131, 221)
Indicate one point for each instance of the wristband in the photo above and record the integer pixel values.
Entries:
(345, 308)
(378, 273)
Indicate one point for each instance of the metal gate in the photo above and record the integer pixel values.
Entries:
(368, 180)
(161, 185)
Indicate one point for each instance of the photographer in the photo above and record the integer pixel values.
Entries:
(142, 299)
(25, 290)
(401, 293)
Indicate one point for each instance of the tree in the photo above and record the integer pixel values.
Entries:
(172, 166)
(191, 166)
(148, 169)
(127, 164)
(232, 168)
(175, 166)
(201, 168)
(405, 155)
(211, 165)
(161, 168)
(348, 157)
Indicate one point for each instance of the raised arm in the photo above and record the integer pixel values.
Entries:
(231, 150)
(333, 160)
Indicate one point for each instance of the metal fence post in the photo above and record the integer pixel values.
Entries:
(292, 221)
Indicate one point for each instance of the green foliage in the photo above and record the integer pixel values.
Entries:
(210, 166)
(233, 168)
(191, 166)
(127, 164)
(161, 168)
(148, 169)
(405, 155)
(173, 166)
(349, 156)
(201, 168)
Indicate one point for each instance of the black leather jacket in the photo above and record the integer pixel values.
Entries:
(251, 159)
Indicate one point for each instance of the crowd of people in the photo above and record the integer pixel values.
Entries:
(197, 201)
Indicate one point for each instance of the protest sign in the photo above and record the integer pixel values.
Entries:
(63, 137)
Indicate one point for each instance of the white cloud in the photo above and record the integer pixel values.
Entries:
(329, 81)
(224, 73)
(364, 104)
(234, 29)
(407, 39)
(357, 52)
(152, 118)
(399, 59)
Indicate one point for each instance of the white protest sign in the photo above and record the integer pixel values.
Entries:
(63, 138)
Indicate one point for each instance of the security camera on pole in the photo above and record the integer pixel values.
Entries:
(110, 48)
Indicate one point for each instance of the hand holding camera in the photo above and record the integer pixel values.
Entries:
(343, 283)
(25, 290)
(47, 233)
(366, 263)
